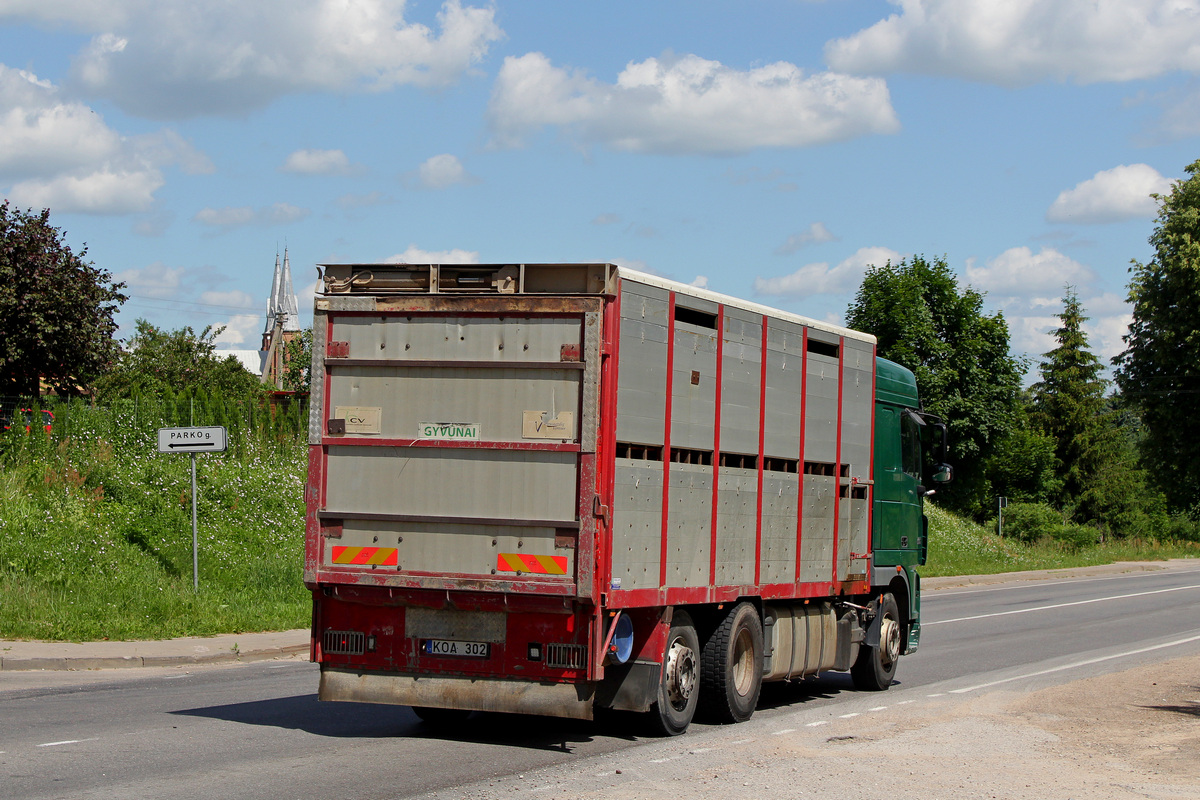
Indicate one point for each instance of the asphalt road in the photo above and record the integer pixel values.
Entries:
(256, 730)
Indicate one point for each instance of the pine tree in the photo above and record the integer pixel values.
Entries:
(1069, 405)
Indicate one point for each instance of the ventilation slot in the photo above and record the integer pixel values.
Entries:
(639, 452)
(820, 348)
(566, 656)
(344, 643)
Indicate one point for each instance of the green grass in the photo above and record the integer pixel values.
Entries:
(96, 535)
(958, 546)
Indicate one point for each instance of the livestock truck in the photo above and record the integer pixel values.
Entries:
(553, 488)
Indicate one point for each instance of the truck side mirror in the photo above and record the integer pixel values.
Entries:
(942, 473)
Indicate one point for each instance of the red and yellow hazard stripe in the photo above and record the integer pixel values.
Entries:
(536, 565)
(383, 556)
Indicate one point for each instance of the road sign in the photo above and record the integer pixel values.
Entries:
(210, 439)
(191, 440)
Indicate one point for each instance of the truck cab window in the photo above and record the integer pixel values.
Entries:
(910, 446)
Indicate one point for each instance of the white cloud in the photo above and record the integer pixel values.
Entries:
(816, 233)
(60, 154)
(1024, 41)
(1019, 272)
(172, 59)
(687, 105)
(820, 278)
(101, 192)
(231, 217)
(156, 280)
(439, 172)
(1111, 195)
(318, 162)
(415, 255)
(352, 201)
(606, 219)
(700, 282)
(240, 329)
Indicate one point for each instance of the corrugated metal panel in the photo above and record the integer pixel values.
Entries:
(779, 528)
(637, 524)
(820, 429)
(511, 339)
(816, 550)
(693, 407)
(689, 538)
(742, 376)
(642, 376)
(509, 484)
(449, 548)
(496, 399)
(785, 360)
(737, 507)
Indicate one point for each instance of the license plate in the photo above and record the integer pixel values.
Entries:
(444, 647)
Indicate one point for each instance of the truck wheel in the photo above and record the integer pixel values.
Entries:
(731, 666)
(875, 667)
(679, 681)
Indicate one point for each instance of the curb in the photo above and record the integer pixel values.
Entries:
(95, 662)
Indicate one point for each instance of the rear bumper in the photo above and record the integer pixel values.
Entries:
(570, 700)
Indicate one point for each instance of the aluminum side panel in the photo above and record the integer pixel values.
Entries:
(742, 377)
(637, 524)
(494, 399)
(449, 549)
(507, 484)
(737, 505)
(689, 538)
(693, 409)
(779, 528)
(467, 338)
(820, 430)
(816, 550)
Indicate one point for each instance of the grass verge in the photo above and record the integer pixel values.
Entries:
(958, 546)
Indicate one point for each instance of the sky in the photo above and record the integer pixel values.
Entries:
(766, 149)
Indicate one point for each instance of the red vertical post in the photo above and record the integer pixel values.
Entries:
(606, 449)
(666, 451)
(837, 467)
(762, 433)
(716, 457)
(800, 458)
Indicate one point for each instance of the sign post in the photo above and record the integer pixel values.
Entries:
(1001, 504)
(211, 439)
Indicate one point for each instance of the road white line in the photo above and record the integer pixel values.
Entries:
(878, 708)
(939, 694)
(782, 732)
(741, 741)
(849, 716)
(68, 741)
(818, 723)
(905, 702)
(1060, 605)
(959, 591)
(1078, 664)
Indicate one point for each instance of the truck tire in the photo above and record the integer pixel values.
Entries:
(875, 667)
(679, 681)
(731, 666)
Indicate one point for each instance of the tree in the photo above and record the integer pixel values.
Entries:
(156, 359)
(57, 309)
(1159, 370)
(960, 356)
(1069, 405)
(297, 362)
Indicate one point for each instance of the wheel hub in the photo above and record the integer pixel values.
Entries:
(680, 673)
(889, 641)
